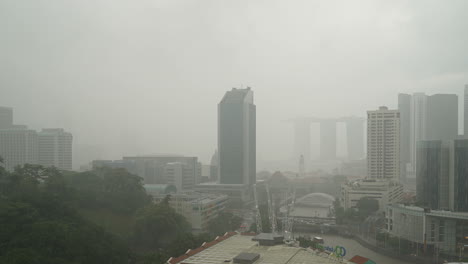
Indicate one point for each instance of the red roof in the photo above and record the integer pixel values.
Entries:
(359, 260)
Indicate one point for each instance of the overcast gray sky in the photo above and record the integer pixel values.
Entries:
(145, 76)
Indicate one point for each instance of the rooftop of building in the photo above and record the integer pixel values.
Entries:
(238, 95)
(152, 156)
(220, 184)
(429, 212)
(195, 197)
(224, 249)
(371, 184)
(160, 188)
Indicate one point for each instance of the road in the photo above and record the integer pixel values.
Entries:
(354, 248)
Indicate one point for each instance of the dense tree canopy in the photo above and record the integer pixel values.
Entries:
(157, 225)
(45, 217)
(39, 226)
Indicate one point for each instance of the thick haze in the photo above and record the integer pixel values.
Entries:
(141, 77)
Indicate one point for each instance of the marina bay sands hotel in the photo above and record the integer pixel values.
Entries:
(328, 137)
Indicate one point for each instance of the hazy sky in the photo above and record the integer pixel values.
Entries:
(145, 76)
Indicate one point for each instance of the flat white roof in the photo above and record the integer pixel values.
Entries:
(225, 251)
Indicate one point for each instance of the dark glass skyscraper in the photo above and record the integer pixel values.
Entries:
(442, 174)
(432, 174)
(237, 137)
(460, 175)
(465, 112)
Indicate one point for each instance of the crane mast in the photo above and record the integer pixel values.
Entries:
(258, 217)
(271, 210)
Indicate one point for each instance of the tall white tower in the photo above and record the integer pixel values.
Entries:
(383, 144)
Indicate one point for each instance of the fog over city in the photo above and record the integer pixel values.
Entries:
(143, 77)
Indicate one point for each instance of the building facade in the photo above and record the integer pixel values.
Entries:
(180, 175)
(55, 148)
(6, 117)
(432, 117)
(237, 137)
(383, 144)
(404, 106)
(438, 231)
(199, 209)
(465, 112)
(384, 191)
(18, 146)
(442, 174)
(153, 168)
(460, 175)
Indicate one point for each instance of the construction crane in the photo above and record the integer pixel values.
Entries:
(271, 210)
(289, 219)
(258, 217)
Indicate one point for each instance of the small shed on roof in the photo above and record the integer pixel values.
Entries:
(246, 258)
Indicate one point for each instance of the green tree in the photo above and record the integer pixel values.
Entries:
(157, 225)
(225, 222)
(115, 189)
(38, 226)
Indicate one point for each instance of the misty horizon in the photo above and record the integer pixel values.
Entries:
(143, 78)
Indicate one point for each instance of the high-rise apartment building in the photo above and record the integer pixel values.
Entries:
(55, 148)
(237, 137)
(6, 117)
(442, 174)
(383, 144)
(18, 146)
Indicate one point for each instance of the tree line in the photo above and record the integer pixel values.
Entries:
(98, 216)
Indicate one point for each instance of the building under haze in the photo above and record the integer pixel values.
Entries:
(18, 146)
(465, 112)
(442, 174)
(237, 137)
(385, 192)
(425, 117)
(6, 117)
(404, 106)
(159, 169)
(328, 138)
(180, 175)
(383, 144)
(55, 148)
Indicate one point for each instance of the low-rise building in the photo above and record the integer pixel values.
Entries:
(197, 208)
(180, 175)
(238, 194)
(384, 191)
(435, 230)
(237, 248)
(159, 169)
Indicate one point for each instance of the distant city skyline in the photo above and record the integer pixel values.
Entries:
(125, 83)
